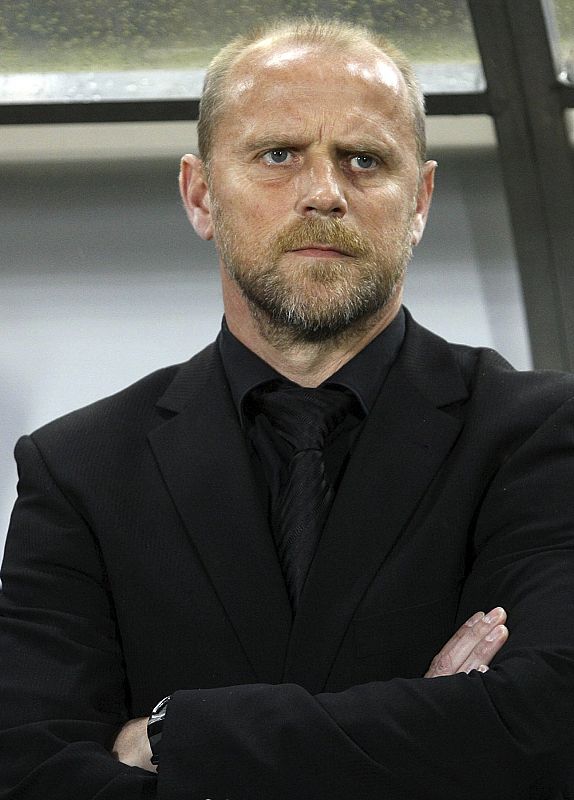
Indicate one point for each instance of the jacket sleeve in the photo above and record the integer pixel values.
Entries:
(499, 735)
(504, 734)
(61, 673)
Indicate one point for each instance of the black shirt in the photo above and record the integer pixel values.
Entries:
(362, 376)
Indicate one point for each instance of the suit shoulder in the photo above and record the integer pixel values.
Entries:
(517, 402)
(129, 411)
(486, 370)
(486, 378)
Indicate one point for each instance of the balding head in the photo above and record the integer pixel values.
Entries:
(318, 35)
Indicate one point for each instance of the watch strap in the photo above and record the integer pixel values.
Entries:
(155, 728)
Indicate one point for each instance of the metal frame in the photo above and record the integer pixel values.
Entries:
(176, 110)
(107, 111)
(527, 102)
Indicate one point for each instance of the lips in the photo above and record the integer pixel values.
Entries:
(317, 249)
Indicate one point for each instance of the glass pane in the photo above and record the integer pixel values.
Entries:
(149, 48)
(564, 19)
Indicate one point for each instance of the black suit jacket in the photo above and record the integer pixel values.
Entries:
(139, 564)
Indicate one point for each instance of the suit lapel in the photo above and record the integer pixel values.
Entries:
(205, 463)
(403, 443)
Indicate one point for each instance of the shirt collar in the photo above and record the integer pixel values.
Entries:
(363, 375)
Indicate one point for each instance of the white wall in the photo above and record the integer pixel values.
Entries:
(102, 280)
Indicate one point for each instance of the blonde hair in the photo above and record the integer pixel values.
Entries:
(333, 33)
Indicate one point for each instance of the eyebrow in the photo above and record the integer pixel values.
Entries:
(269, 142)
(367, 144)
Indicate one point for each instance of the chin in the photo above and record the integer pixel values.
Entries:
(316, 322)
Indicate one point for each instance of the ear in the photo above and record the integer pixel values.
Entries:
(195, 195)
(424, 197)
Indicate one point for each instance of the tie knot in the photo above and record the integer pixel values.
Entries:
(305, 417)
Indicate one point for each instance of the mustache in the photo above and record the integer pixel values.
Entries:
(327, 232)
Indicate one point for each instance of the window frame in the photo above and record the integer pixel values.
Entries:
(526, 99)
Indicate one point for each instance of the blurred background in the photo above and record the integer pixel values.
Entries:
(103, 280)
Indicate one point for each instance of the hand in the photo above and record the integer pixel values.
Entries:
(131, 746)
(473, 646)
(470, 648)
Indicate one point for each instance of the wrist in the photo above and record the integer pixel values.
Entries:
(131, 745)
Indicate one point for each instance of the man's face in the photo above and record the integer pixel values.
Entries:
(315, 189)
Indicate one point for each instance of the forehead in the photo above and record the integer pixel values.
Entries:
(295, 85)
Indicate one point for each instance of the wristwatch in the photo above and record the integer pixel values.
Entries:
(155, 728)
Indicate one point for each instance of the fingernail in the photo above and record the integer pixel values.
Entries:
(474, 619)
(483, 668)
(494, 615)
(497, 633)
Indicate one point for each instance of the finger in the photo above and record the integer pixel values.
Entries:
(486, 649)
(459, 647)
(473, 638)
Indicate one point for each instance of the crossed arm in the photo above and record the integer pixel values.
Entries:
(472, 647)
(474, 735)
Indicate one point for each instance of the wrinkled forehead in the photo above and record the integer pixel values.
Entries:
(309, 66)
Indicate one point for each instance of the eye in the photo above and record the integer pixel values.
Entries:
(278, 156)
(364, 162)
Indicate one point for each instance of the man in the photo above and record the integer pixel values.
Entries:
(177, 543)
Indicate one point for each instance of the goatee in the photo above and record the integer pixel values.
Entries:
(323, 299)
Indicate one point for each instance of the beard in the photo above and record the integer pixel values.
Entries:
(314, 300)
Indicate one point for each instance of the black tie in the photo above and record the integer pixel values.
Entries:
(304, 418)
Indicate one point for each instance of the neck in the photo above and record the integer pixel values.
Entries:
(305, 363)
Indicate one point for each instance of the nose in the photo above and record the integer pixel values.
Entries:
(319, 192)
